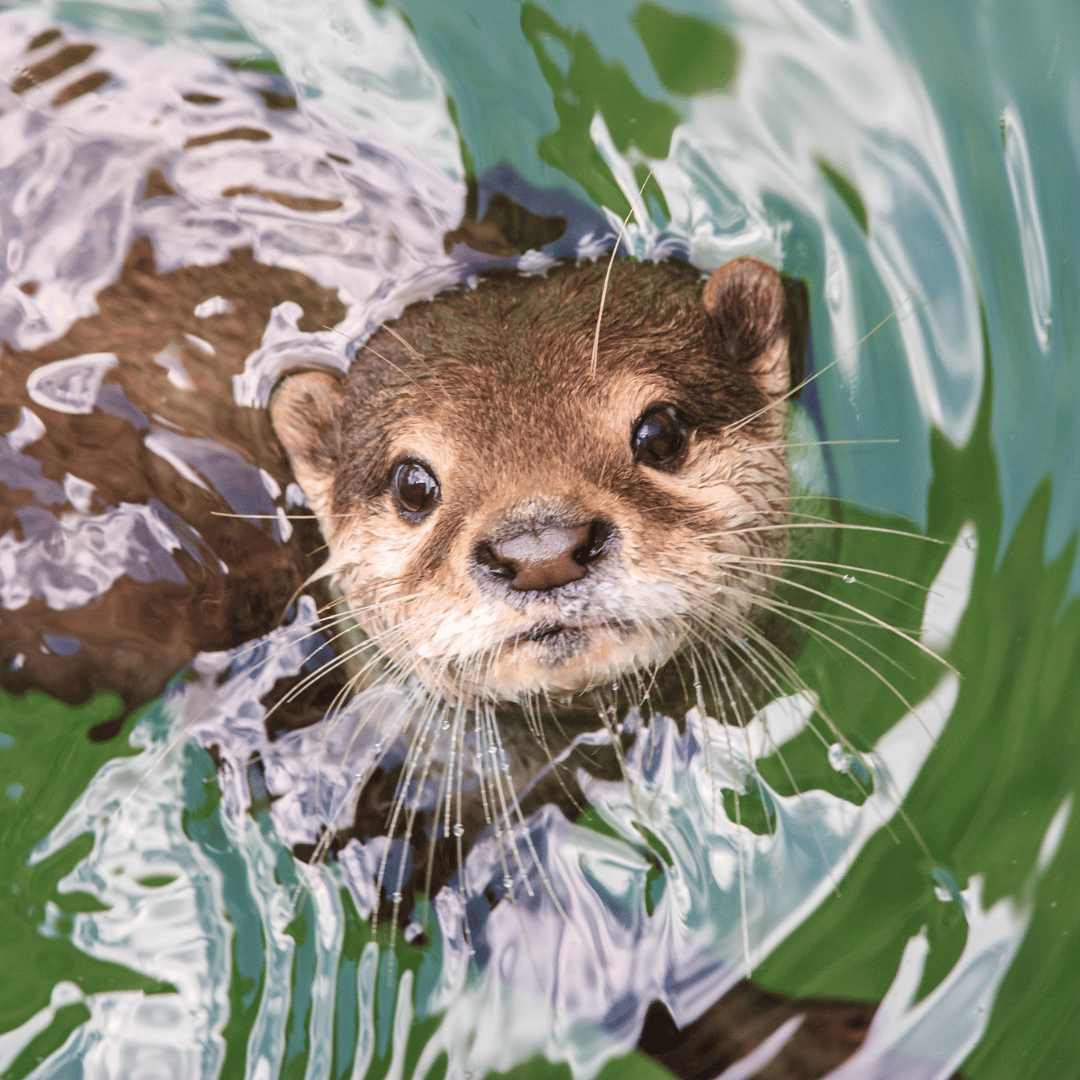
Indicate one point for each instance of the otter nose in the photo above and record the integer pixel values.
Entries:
(535, 560)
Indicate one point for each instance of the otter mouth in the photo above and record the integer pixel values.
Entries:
(546, 633)
(560, 641)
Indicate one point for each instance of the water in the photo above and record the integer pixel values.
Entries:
(913, 165)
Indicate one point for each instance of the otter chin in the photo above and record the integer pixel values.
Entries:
(521, 497)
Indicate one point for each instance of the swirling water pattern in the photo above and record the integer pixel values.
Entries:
(192, 868)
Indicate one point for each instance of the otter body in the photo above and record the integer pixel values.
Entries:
(143, 510)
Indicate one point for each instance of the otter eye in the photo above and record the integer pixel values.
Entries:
(659, 437)
(415, 489)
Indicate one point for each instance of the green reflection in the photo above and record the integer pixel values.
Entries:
(848, 193)
(690, 56)
(1004, 764)
(48, 753)
(64, 1022)
(582, 85)
(203, 826)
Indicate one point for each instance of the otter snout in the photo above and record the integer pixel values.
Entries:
(544, 556)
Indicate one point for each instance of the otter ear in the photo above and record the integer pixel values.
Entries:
(747, 301)
(305, 410)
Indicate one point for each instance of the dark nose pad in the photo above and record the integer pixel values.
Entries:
(535, 560)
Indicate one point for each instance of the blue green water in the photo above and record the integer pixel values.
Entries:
(914, 163)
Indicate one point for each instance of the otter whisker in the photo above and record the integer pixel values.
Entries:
(866, 614)
(772, 603)
(309, 516)
(411, 817)
(481, 770)
(491, 790)
(501, 763)
(359, 779)
(339, 660)
(821, 442)
(527, 836)
(356, 784)
(785, 669)
(616, 743)
(557, 765)
(743, 909)
(839, 525)
(854, 778)
(459, 832)
(842, 739)
(868, 666)
(412, 757)
(442, 804)
(778, 499)
(293, 639)
(706, 742)
(607, 279)
(393, 333)
(365, 345)
(780, 757)
(755, 773)
(502, 826)
(323, 669)
(836, 622)
(842, 570)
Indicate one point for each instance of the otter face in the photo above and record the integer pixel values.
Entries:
(506, 520)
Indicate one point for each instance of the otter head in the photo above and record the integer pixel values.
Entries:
(508, 518)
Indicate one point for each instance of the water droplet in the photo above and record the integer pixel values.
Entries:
(396, 898)
(508, 881)
(446, 725)
(459, 829)
(378, 748)
(945, 887)
(849, 579)
(838, 759)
